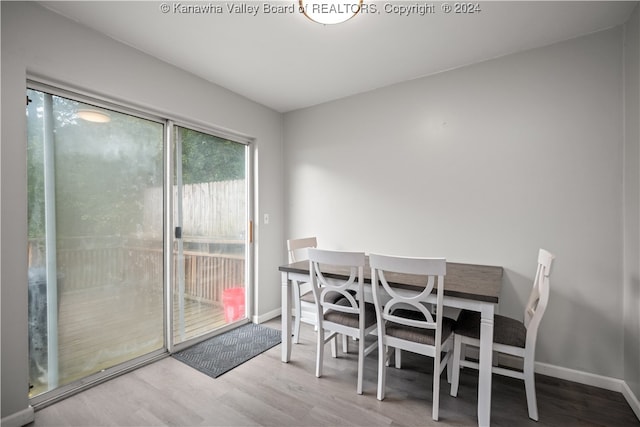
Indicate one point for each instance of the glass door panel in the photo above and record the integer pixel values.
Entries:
(95, 204)
(211, 236)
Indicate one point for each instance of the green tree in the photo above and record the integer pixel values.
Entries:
(101, 169)
(208, 158)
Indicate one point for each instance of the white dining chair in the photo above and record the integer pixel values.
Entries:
(404, 319)
(510, 336)
(305, 305)
(340, 304)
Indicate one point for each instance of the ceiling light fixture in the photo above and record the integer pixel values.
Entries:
(330, 12)
(94, 116)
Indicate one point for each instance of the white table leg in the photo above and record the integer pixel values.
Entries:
(486, 356)
(286, 318)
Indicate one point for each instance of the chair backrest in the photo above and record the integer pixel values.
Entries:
(297, 248)
(539, 297)
(328, 289)
(430, 270)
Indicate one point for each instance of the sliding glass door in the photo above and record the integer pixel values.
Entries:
(95, 241)
(211, 233)
(139, 238)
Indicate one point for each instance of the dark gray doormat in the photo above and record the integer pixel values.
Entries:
(224, 352)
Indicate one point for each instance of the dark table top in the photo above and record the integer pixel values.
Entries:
(470, 281)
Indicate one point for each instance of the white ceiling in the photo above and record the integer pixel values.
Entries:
(287, 62)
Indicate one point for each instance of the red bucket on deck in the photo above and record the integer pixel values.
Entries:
(233, 302)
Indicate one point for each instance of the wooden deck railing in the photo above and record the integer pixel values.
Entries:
(89, 263)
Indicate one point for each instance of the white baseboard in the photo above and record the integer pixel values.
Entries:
(581, 377)
(20, 418)
(632, 399)
(267, 316)
(607, 383)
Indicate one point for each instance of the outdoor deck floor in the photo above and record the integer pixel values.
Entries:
(102, 327)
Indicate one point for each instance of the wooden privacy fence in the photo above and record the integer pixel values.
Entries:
(99, 262)
(212, 209)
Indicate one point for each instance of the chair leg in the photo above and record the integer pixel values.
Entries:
(345, 344)
(298, 313)
(530, 388)
(334, 346)
(320, 352)
(436, 387)
(296, 326)
(398, 358)
(457, 355)
(383, 360)
(360, 362)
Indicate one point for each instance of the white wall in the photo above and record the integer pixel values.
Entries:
(632, 204)
(39, 42)
(484, 164)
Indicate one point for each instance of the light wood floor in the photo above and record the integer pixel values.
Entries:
(266, 392)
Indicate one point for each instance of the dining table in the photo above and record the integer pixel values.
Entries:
(466, 286)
